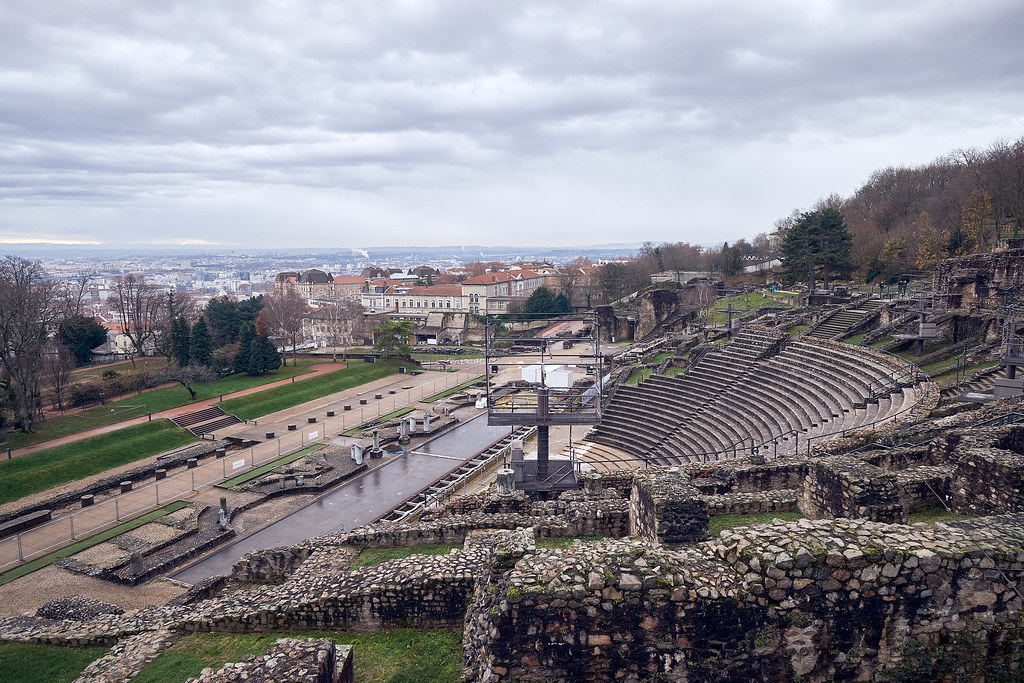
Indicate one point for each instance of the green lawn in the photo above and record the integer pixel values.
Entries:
(639, 375)
(855, 339)
(95, 539)
(797, 329)
(740, 304)
(374, 556)
(382, 657)
(722, 522)
(27, 663)
(355, 431)
(263, 469)
(457, 388)
(50, 467)
(151, 401)
(292, 394)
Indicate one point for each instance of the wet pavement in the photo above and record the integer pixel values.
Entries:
(359, 501)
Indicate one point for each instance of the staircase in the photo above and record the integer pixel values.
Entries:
(205, 421)
(981, 383)
(842, 321)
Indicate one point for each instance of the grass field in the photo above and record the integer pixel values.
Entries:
(292, 394)
(457, 388)
(374, 556)
(639, 375)
(263, 469)
(53, 466)
(740, 304)
(722, 522)
(89, 542)
(26, 663)
(382, 657)
(151, 401)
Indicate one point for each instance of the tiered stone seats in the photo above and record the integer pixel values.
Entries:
(760, 389)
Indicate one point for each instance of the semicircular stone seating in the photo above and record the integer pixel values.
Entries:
(761, 392)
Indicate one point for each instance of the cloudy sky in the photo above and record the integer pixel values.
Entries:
(373, 122)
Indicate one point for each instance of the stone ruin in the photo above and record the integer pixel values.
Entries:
(843, 594)
(979, 278)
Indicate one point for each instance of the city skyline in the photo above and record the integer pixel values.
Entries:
(318, 126)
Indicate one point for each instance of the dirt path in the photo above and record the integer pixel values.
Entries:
(314, 370)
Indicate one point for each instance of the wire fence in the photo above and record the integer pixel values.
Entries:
(107, 513)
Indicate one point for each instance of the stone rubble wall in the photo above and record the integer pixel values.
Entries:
(666, 507)
(987, 481)
(128, 657)
(290, 660)
(845, 486)
(751, 503)
(923, 487)
(808, 600)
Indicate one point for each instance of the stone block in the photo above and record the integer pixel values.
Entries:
(666, 507)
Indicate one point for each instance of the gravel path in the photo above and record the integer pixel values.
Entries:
(25, 595)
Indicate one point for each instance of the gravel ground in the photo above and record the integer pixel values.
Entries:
(25, 595)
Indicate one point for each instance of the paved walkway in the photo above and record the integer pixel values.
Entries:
(408, 389)
(314, 370)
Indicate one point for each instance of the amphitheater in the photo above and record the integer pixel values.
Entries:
(761, 392)
(841, 441)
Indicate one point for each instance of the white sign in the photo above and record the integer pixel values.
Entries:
(314, 435)
(238, 463)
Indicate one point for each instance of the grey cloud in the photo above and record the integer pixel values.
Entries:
(107, 103)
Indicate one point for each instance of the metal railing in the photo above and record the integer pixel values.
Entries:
(38, 541)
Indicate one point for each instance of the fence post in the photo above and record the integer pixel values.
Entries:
(21, 554)
(117, 509)
(72, 520)
(193, 481)
(157, 494)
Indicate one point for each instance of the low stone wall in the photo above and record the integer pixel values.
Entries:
(923, 487)
(290, 660)
(666, 507)
(844, 486)
(987, 481)
(742, 475)
(809, 600)
(751, 503)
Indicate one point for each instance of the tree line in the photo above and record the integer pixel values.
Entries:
(907, 218)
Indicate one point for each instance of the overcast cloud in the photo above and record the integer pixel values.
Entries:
(278, 124)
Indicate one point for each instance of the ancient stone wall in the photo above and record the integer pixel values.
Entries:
(844, 486)
(666, 507)
(811, 601)
(987, 481)
(976, 278)
(289, 660)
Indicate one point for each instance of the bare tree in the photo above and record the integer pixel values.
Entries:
(138, 310)
(341, 323)
(189, 376)
(283, 314)
(571, 277)
(28, 308)
(58, 362)
(71, 293)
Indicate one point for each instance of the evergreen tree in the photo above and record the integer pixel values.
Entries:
(223, 319)
(200, 351)
(263, 356)
(181, 340)
(392, 338)
(81, 335)
(545, 302)
(818, 239)
(245, 339)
